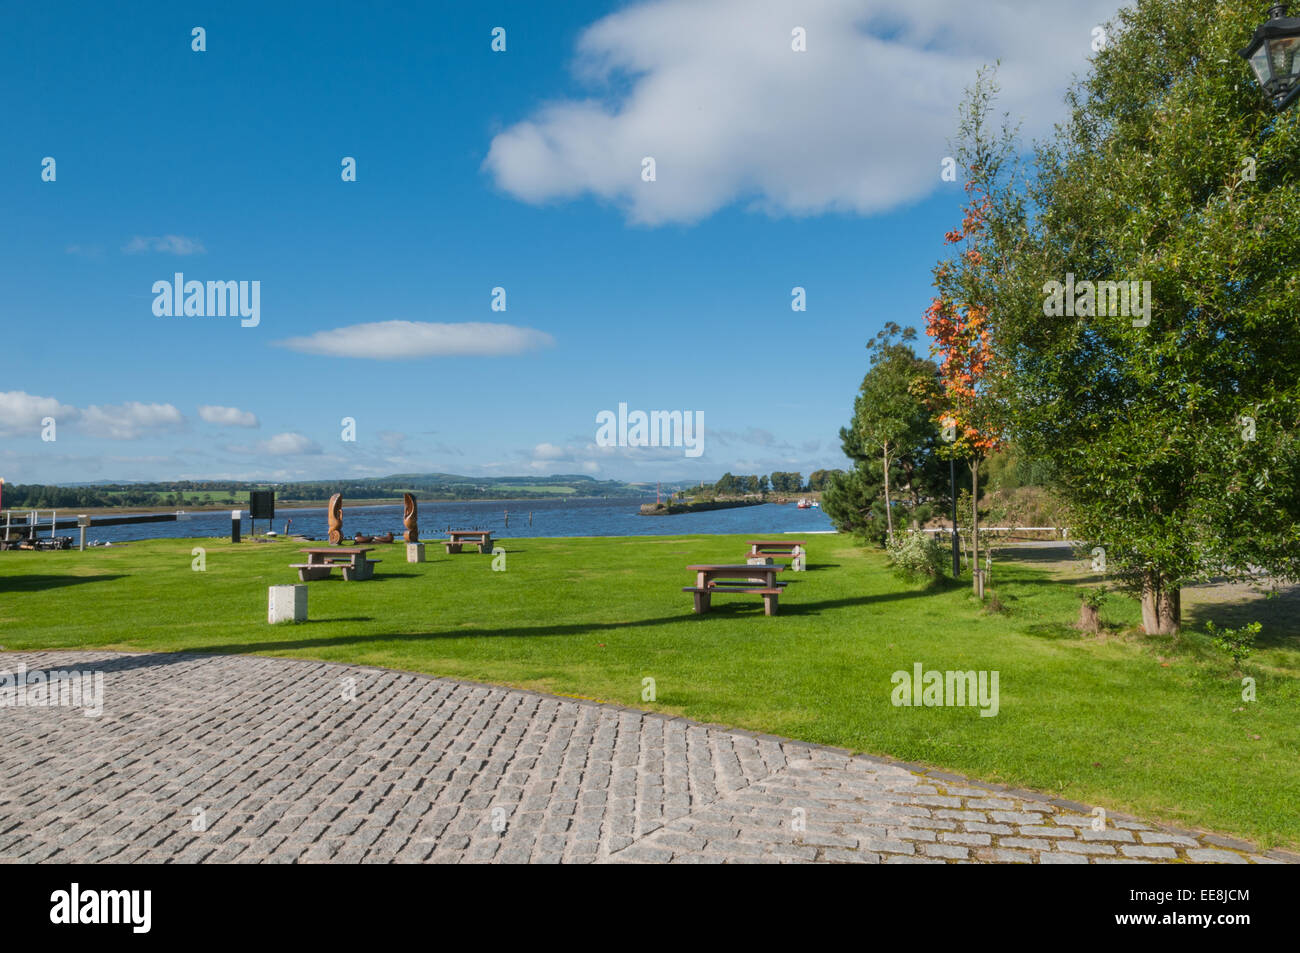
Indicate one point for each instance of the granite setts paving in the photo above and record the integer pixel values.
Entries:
(243, 759)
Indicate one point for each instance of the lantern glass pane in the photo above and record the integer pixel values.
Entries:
(1282, 53)
(1260, 64)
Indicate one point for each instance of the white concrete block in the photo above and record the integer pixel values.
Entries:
(415, 552)
(286, 604)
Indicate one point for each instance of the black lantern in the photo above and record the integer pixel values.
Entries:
(1274, 55)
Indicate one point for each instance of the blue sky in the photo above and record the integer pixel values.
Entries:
(476, 169)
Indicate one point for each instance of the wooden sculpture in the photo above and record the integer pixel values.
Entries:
(335, 516)
(412, 534)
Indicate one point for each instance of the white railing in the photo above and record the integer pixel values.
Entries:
(1063, 530)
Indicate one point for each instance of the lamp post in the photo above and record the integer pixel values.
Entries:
(1274, 54)
(956, 546)
(949, 434)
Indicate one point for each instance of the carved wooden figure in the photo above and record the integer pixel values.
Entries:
(335, 515)
(412, 534)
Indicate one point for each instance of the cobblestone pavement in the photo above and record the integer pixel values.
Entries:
(248, 759)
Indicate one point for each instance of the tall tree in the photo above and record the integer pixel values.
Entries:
(892, 436)
(958, 319)
(1169, 415)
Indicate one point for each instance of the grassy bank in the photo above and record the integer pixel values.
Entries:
(1137, 724)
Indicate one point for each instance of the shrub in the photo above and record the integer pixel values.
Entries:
(1238, 643)
(916, 556)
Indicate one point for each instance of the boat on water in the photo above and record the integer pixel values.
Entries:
(804, 504)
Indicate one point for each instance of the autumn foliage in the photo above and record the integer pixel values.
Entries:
(958, 325)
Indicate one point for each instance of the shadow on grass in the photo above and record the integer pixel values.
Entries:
(729, 610)
(1279, 617)
(39, 583)
(1056, 631)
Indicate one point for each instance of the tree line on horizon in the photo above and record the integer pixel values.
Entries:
(778, 481)
(235, 493)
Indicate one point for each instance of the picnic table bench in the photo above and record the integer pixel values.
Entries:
(712, 580)
(319, 563)
(459, 538)
(765, 552)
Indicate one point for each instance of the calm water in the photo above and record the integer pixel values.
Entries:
(549, 518)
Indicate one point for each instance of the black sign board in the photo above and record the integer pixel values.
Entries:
(261, 504)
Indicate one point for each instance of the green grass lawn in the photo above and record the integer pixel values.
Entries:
(1137, 724)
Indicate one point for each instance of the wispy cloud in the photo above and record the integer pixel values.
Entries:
(165, 244)
(408, 340)
(130, 420)
(228, 416)
(85, 251)
(288, 444)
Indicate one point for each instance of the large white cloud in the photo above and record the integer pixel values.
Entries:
(401, 340)
(22, 413)
(714, 92)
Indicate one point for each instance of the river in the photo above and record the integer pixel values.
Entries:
(584, 517)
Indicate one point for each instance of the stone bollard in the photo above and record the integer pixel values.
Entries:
(800, 561)
(415, 552)
(286, 604)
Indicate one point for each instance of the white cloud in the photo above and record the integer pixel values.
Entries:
(713, 91)
(21, 413)
(400, 340)
(549, 451)
(130, 420)
(288, 444)
(167, 244)
(228, 416)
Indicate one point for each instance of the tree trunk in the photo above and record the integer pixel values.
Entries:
(889, 510)
(1161, 604)
(1089, 621)
(1150, 602)
(913, 495)
(1171, 606)
(975, 527)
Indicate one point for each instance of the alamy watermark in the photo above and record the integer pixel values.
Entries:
(215, 299)
(658, 428)
(128, 907)
(52, 689)
(1087, 299)
(936, 689)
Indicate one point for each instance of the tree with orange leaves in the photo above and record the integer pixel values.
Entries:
(958, 323)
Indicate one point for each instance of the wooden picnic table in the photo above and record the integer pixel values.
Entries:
(717, 579)
(780, 547)
(321, 561)
(459, 538)
(765, 551)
